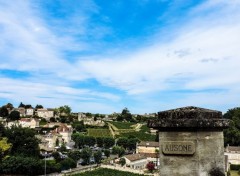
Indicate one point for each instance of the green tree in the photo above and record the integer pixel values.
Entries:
(132, 142)
(99, 141)
(79, 140)
(122, 161)
(64, 110)
(86, 154)
(108, 142)
(14, 115)
(4, 147)
(122, 141)
(68, 163)
(106, 152)
(38, 107)
(75, 155)
(23, 141)
(117, 150)
(232, 134)
(98, 156)
(56, 156)
(3, 111)
(89, 140)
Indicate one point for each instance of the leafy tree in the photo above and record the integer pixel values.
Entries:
(23, 141)
(75, 155)
(118, 151)
(232, 134)
(150, 166)
(99, 141)
(132, 143)
(63, 148)
(89, 140)
(14, 115)
(28, 106)
(56, 156)
(89, 115)
(64, 110)
(79, 126)
(86, 154)
(122, 161)
(52, 119)
(4, 147)
(38, 107)
(108, 142)
(98, 156)
(9, 105)
(3, 111)
(122, 141)
(106, 153)
(68, 163)
(78, 139)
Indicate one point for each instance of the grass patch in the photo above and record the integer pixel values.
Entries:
(107, 172)
(142, 135)
(123, 125)
(99, 132)
(234, 173)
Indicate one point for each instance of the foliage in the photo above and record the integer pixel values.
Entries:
(43, 122)
(107, 172)
(232, 134)
(23, 141)
(235, 167)
(86, 154)
(4, 147)
(79, 126)
(21, 165)
(38, 107)
(75, 155)
(120, 151)
(68, 163)
(98, 156)
(3, 111)
(99, 132)
(150, 166)
(106, 153)
(99, 141)
(123, 142)
(122, 161)
(89, 140)
(108, 142)
(122, 125)
(56, 156)
(216, 172)
(14, 115)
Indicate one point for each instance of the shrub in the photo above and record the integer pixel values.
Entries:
(235, 167)
(216, 172)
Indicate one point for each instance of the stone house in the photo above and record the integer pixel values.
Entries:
(29, 122)
(136, 161)
(45, 113)
(29, 111)
(65, 131)
(21, 110)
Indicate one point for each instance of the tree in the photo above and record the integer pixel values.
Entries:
(64, 110)
(9, 105)
(232, 134)
(38, 107)
(132, 143)
(78, 139)
(68, 163)
(3, 111)
(4, 147)
(14, 115)
(150, 166)
(56, 156)
(122, 141)
(108, 142)
(99, 141)
(75, 155)
(23, 141)
(86, 154)
(98, 156)
(89, 140)
(118, 151)
(122, 161)
(106, 153)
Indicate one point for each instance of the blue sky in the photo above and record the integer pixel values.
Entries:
(102, 56)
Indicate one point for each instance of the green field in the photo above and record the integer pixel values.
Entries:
(142, 135)
(99, 132)
(234, 173)
(123, 125)
(107, 172)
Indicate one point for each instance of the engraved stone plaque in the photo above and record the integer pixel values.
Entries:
(178, 147)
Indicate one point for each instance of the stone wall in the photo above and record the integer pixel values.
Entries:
(208, 153)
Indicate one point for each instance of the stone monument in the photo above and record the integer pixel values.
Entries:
(191, 141)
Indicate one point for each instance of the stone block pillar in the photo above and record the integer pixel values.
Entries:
(191, 141)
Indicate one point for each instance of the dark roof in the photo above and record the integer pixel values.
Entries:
(149, 144)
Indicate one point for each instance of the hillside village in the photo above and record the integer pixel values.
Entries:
(119, 140)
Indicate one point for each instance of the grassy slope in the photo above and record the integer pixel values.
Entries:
(107, 172)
